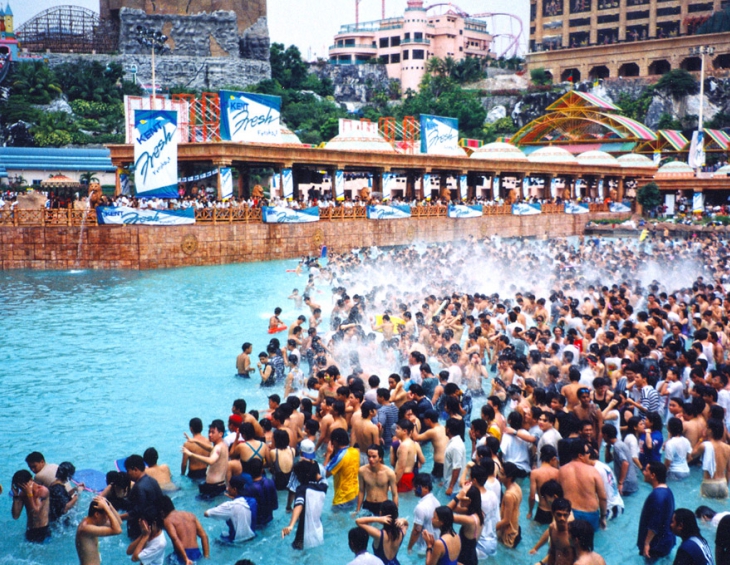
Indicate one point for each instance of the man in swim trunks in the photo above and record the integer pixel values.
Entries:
(436, 434)
(548, 470)
(274, 322)
(184, 529)
(715, 461)
(215, 478)
(374, 481)
(199, 444)
(583, 486)
(243, 361)
(405, 465)
(102, 521)
(35, 499)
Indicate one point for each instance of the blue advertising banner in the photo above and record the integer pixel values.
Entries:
(576, 208)
(578, 185)
(463, 187)
(600, 189)
(427, 186)
(495, 188)
(526, 187)
(226, 183)
(287, 180)
(461, 211)
(382, 212)
(118, 215)
(284, 215)
(250, 117)
(553, 188)
(698, 202)
(438, 134)
(526, 209)
(619, 207)
(340, 185)
(155, 153)
(389, 183)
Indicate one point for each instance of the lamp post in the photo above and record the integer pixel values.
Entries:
(702, 51)
(155, 41)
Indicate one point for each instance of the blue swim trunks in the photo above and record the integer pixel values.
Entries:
(593, 518)
(194, 554)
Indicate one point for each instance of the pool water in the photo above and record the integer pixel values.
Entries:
(99, 365)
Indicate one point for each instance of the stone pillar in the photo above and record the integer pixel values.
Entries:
(410, 185)
(652, 19)
(377, 182)
(244, 182)
(538, 22)
(684, 12)
(622, 20)
(239, 183)
(594, 22)
(117, 182)
(621, 189)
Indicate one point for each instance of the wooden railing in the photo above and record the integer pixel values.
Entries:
(244, 214)
(48, 217)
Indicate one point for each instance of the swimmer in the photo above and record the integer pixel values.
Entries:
(161, 473)
(243, 361)
(199, 444)
(275, 322)
(184, 529)
(101, 521)
(375, 480)
(35, 499)
(296, 297)
(715, 461)
(217, 461)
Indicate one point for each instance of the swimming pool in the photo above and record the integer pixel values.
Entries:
(100, 365)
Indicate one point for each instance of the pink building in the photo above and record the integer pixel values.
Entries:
(404, 44)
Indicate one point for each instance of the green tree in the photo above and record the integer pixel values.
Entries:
(287, 66)
(678, 83)
(502, 127)
(666, 121)
(649, 196)
(87, 178)
(540, 77)
(54, 129)
(36, 82)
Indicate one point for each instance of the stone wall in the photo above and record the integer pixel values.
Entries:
(145, 247)
(354, 83)
(194, 72)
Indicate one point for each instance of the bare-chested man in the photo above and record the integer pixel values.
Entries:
(386, 326)
(406, 456)
(589, 412)
(715, 461)
(570, 391)
(197, 444)
(102, 521)
(243, 361)
(161, 473)
(583, 486)
(215, 478)
(548, 470)
(364, 432)
(375, 480)
(581, 538)
(694, 425)
(184, 529)
(436, 434)
(35, 499)
(560, 552)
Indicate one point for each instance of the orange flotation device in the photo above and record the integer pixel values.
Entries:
(277, 329)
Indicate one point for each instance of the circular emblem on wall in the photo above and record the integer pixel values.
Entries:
(410, 233)
(318, 237)
(189, 244)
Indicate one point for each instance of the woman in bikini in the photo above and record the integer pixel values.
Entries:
(445, 550)
(244, 451)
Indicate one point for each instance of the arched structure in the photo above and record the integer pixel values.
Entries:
(65, 29)
(580, 121)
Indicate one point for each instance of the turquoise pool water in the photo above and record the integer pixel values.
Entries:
(99, 365)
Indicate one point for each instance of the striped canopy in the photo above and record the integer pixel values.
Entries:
(722, 138)
(674, 138)
(582, 100)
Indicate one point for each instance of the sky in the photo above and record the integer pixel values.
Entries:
(312, 24)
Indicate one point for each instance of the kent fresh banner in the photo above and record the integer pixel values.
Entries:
(696, 157)
(226, 183)
(616, 207)
(526, 209)
(287, 179)
(698, 202)
(427, 186)
(438, 134)
(155, 153)
(462, 211)
(250, 117)
(118, 215)
(389, 183)
(463, 187)
(283, 215)
(576, 208)
(382, 212)
(340, 185)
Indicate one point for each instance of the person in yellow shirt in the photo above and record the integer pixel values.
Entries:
(343, 463)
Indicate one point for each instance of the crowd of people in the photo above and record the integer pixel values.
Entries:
(596, 364)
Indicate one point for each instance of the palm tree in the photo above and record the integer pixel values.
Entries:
(87, 178)
(37, 82)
